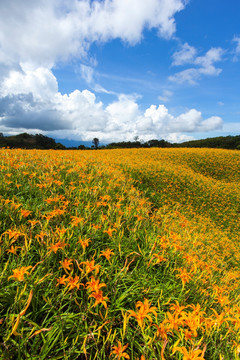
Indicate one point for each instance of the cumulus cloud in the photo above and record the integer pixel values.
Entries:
(204, 65)
(40, 82)
(29, 99)
(44, 32)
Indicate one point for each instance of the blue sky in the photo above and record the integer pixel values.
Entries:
(116, 69)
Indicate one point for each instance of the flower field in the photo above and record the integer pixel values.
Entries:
(120, 254)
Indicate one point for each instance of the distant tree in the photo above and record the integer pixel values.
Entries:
(1, 134)
(44, 142)
(153, 143)
(60, 146)
(95, 142)
(81, 147)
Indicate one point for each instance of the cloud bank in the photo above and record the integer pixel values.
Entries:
(30, 100)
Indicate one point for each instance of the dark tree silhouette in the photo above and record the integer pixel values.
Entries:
(95, 143)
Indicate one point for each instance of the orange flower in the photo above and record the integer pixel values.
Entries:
(84, 243)
(173, 321)
(193, 322)
(159, 258)
(20, 272)
(219, 319)
(57, 246)
(13, 249)
(191, 354)
(73, 282)
(119, 351)
(177, 308)
(107, 253)
(109, 231)
(25, 213)
(139, 217)
(184, 276)
(13, 234)
(94, 285)
(76, 220)
(100, 299)
(143, 309)
(96, 227)
(90, 266)
(62, 280)
(66, 264)
(33, 222)
(162, 331)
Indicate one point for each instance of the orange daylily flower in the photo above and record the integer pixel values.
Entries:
(143, 309)
(84, 243)
(100, 299)
(159, 258)
(177, 308)
(94, 285)
(184, 276)
(13, 234)
(62, 280)
(109, 231)
(25, 213)
(162, 331)
(73, 282)
(33, 222)
(119, 351)
(191, 354)
(76, 220)
(107, 253)
(173, 321)
(57, 246)
(66, 264)
(13, 249)
(90, 266)
(19, 273)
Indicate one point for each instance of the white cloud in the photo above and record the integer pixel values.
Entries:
(236, 40)
(25, 105)
(204, 65)
(40, 82)
(87, 73)
(166, 95)
(44, 32)
(185, 55)
(178, 138)
(206, 62)
(190, 121)
(189, 76)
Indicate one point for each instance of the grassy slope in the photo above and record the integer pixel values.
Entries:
(174, 216)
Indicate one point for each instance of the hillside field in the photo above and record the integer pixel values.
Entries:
(120, 254)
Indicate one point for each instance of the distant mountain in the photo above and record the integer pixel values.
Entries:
(73, 143)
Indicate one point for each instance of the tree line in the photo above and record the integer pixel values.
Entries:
(39, 141)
